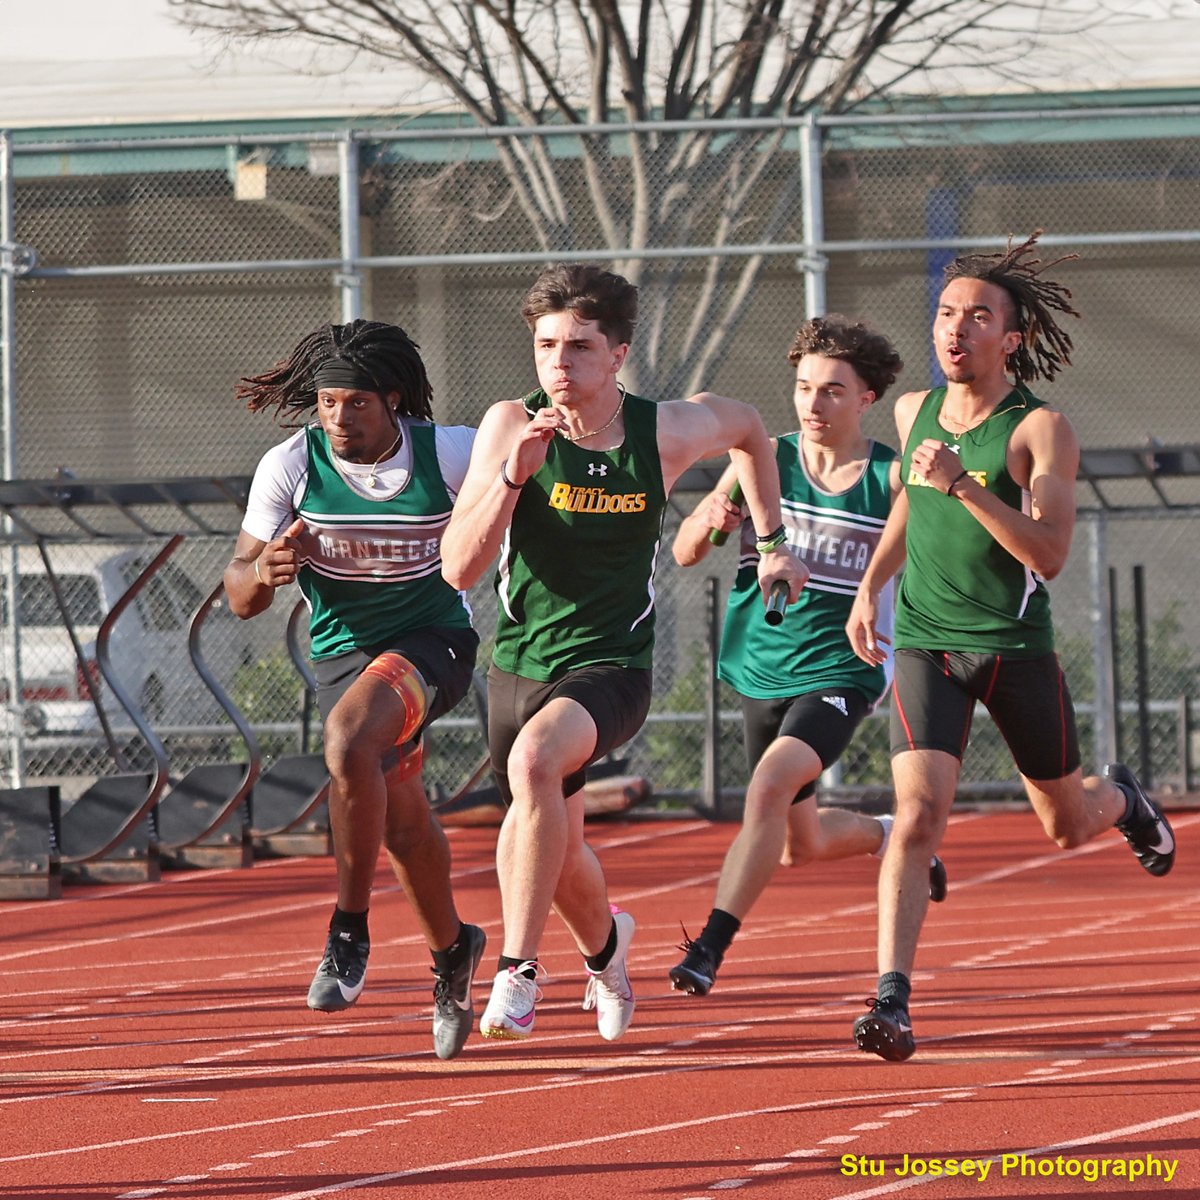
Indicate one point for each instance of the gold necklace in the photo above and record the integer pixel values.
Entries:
(964, 428)
(370, 481)
(616, 413)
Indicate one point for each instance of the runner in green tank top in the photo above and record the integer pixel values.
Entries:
(803, 690)
(354, 508)
(568, 487)
(986, 515)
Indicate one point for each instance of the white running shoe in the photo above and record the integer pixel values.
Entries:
(509, 1012)
(609, 991)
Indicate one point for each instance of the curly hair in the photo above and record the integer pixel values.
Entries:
(590, 292)
(872, 355)
(381, 352)
(1045, 347)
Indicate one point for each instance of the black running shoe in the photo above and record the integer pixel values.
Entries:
(937, 880)
(698, 971)
(453, 1013)
(1146, 830)
(885, 1030)
(342, 972)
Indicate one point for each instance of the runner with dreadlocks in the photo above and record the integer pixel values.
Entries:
(353, 507)
(984, 517)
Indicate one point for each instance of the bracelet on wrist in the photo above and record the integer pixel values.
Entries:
(258, 576)
(508, 483)
(772, 541)
(955, 481)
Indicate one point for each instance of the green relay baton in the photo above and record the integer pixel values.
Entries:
(718, 537)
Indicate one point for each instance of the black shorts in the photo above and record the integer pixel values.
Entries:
(445, 656)
(934, 695)
(825, 720)
(617, 699)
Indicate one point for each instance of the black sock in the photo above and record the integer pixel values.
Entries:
(719, 931)
(597, 962)
(1130, 801)
(353, 923)
(444, 960)
(511, 964)
(895, 986)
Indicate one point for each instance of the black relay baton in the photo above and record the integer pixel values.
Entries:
(777, 601)
(718, 537)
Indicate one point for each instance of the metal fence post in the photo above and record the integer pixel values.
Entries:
(1146, 759)
(1185, 743)
(1104, 720)
(711, 783)
(8, 401)
(349, 278)
(8, 331)
(813, 201)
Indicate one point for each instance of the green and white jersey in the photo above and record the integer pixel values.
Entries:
(576, 573)
(834, 535)
(376, 571)
(961, 589)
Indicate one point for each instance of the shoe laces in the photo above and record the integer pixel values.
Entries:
(461, 972)
(345, 955)
(691, 945)
(519, 986)
(441, 990)
(608, 984)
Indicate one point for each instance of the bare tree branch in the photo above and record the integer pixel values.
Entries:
(537, 62)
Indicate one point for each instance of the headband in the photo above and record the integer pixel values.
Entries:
(342, 373)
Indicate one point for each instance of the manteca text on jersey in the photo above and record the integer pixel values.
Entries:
(375, 549)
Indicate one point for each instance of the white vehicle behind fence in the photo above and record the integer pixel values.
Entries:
(148, 648)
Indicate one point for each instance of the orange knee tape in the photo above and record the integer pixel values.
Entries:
(404, 679)
(409, 764)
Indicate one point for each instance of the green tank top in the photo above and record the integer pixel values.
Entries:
(576, 574)
(961, 590)
(834, 536)
(377, 571)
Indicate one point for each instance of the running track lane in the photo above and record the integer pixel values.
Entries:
(156, 1044)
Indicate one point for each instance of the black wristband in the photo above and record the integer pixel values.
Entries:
(772, 541)
(960, 476)
(508, 483)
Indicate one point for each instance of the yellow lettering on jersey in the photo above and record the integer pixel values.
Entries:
(915, 480)
(595, 500)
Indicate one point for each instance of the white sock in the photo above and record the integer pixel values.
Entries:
(886, 822)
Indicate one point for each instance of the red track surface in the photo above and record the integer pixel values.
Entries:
(156, 1043)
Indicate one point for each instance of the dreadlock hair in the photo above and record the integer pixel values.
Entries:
(1045, 348)
(870, 354)
(588, 291)
(383, 353)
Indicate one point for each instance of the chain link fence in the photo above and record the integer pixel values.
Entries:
(142, 277)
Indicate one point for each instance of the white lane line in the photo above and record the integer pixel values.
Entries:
(612, 1136)
(645, 836)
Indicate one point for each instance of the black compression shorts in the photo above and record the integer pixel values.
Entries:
(934, 695)
(825, 720)
(617, 699)
(445, 656)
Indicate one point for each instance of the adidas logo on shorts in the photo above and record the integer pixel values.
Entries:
(838, 702)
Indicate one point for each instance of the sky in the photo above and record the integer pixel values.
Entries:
(84, 62)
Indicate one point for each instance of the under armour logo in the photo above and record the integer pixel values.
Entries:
(838, 702)
(597, 468)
